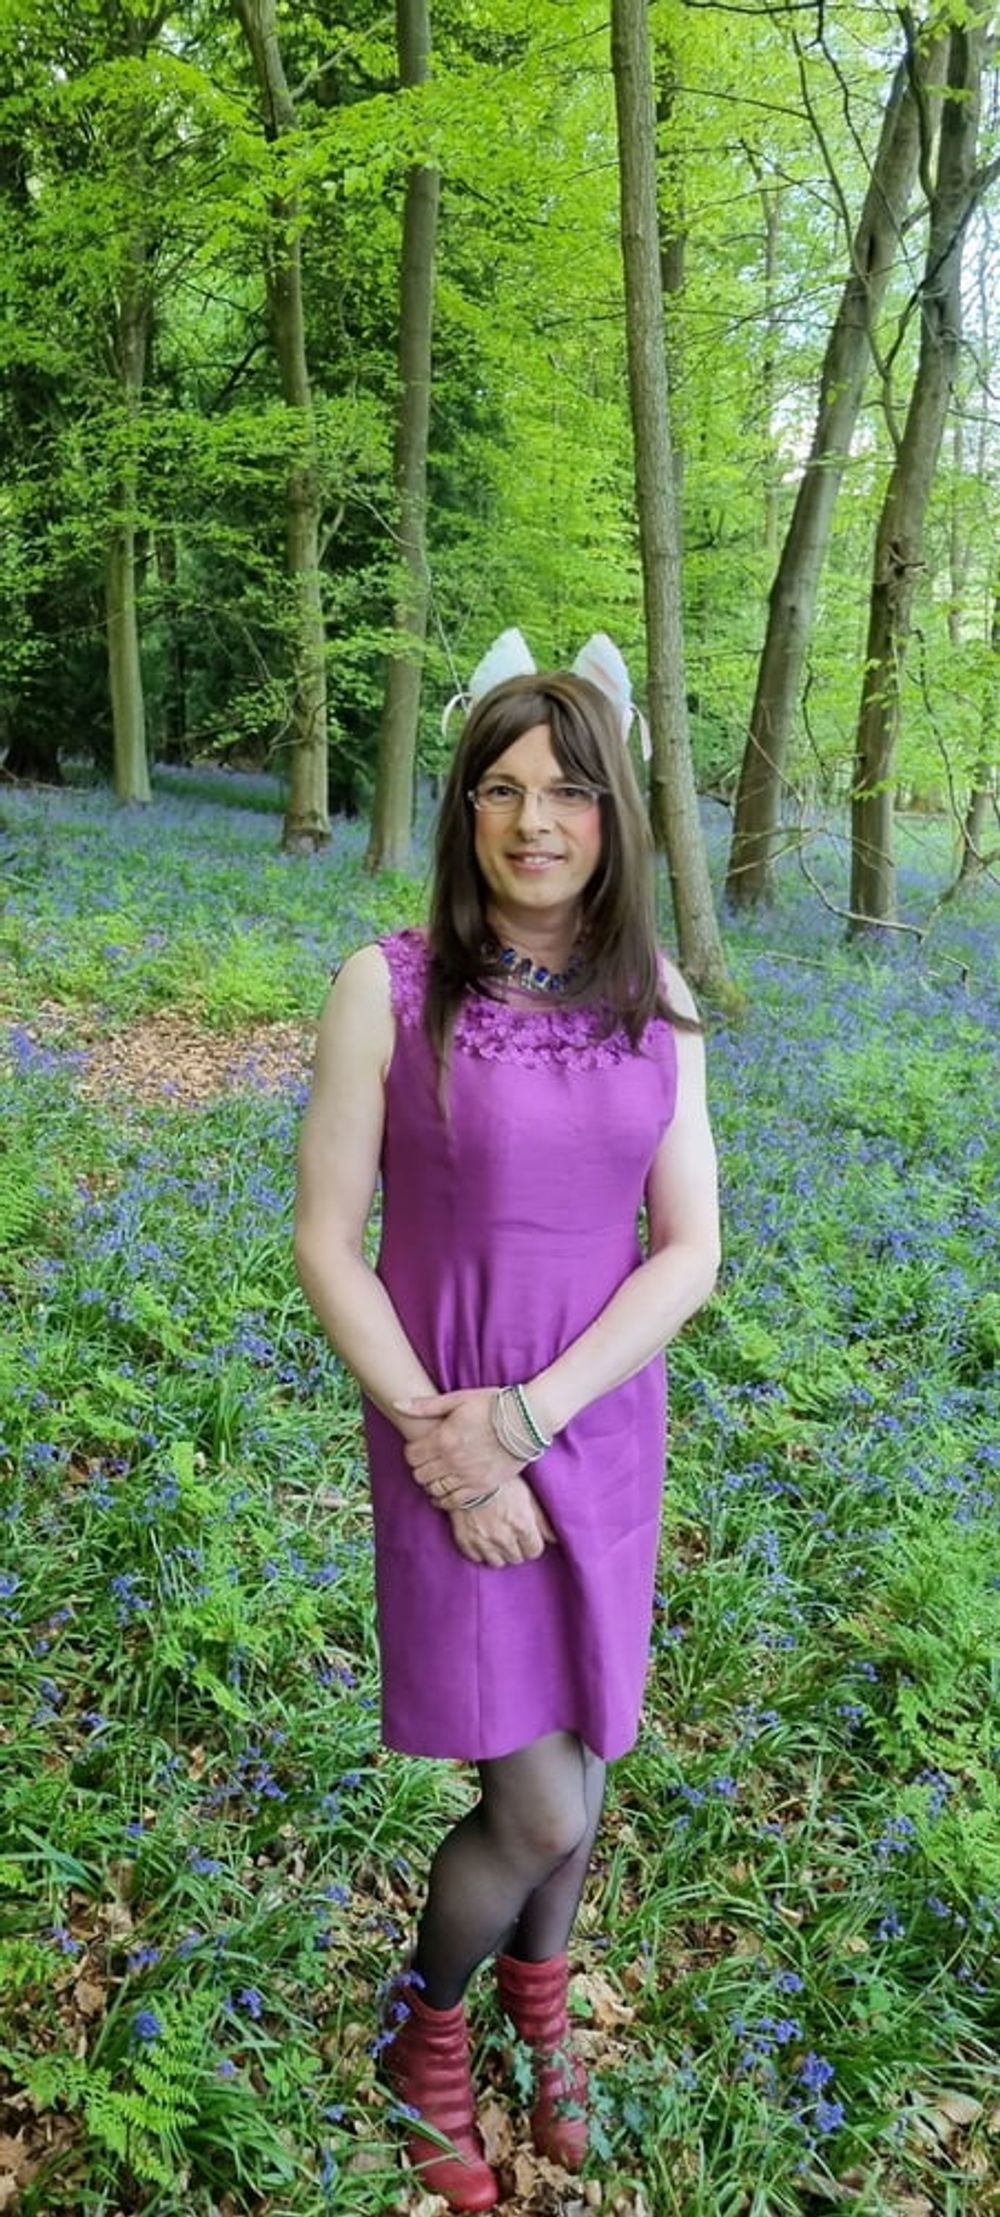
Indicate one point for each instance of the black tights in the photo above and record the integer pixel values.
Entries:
(511, 1873)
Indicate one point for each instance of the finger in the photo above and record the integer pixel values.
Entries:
(418, 1452)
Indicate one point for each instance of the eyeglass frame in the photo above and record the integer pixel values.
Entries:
(539, 793)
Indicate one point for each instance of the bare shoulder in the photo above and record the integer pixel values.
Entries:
(357, 1022)
(677, 989)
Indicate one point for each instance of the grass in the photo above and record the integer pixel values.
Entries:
(207, 1862)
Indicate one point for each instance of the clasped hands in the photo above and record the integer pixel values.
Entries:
(456, 1457)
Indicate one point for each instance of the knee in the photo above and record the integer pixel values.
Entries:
(547, 1833)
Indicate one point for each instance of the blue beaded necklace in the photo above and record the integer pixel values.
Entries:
(529, 976)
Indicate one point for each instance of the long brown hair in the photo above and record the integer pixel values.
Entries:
(619, 968)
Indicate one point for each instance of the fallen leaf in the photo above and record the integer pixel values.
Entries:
(366, 2159)
(90, 2000)
(605, 2003)
(961, 2109)
(910, 2205)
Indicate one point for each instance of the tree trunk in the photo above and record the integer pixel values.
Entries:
(307, 815)
(984, 776)
(392, 810)
(175, 683)
(676, 824)
(899, 537)
(792, 602)
(130, 345)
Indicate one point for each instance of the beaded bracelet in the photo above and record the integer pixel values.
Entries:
(517, 1430)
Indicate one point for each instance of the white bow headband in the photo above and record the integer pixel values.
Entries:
(600, 661)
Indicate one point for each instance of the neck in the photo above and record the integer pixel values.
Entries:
(545, 939)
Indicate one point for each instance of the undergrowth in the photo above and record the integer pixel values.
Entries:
(207, 1861)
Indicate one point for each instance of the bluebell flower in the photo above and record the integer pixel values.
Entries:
(142, 1958)
(146, 2027)
(815, 2072)
(63, 1939)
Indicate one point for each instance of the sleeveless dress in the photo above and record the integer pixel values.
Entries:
(505, 1230)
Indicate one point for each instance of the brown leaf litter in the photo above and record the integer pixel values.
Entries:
(170, 1058)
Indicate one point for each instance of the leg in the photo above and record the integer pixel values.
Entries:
(530, 1823)
(533, 1983)
(546, 1921)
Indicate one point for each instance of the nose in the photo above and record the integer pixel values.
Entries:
(536, 808)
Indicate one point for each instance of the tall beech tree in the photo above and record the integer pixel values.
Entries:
(792, 601)
(676, 823)
(898, 557)
(307, 816)
(392, 809)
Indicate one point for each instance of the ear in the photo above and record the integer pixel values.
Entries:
(509, 656)
(603, 663)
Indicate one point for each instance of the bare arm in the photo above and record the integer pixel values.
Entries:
(339, 1153)
(338, 1169)
(681, 1268)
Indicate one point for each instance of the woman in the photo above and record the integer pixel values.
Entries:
(523, 1077)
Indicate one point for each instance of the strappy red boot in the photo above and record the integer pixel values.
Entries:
(533, 1996)
(427, 2064)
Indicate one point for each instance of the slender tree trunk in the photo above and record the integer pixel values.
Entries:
(899, 537)
(984, 776)
(307, 815)
(392, 812)
(175, 684)
(130, 345)
(792, 602)
(676, 824)
(958, 537)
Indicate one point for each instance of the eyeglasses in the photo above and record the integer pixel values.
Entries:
(499, 797)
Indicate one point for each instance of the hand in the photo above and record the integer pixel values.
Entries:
(512, 1529)
(458, 1456)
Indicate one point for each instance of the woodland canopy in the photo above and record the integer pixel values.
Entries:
(210, 544)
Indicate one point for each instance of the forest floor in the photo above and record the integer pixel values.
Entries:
(786, 1970)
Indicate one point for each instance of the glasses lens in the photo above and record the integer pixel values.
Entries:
(501, 798)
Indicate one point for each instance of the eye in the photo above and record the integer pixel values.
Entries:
(573, 796)
(495, 790)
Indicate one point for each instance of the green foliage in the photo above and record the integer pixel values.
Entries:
(199, 1830)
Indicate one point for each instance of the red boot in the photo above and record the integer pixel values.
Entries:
(533, 1996)
(427, 2064)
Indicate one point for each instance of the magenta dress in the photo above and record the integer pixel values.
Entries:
(505, 1231)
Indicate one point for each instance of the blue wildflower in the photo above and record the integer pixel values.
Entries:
(815, 2072)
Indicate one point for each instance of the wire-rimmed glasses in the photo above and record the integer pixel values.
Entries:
(503, 797)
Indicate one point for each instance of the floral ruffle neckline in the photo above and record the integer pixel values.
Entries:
(530, 1033)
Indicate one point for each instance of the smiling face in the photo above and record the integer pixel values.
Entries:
(535, 864)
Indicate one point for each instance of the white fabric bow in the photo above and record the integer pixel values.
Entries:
(599, 660)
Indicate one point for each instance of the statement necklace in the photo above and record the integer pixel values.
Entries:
(528, 976)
